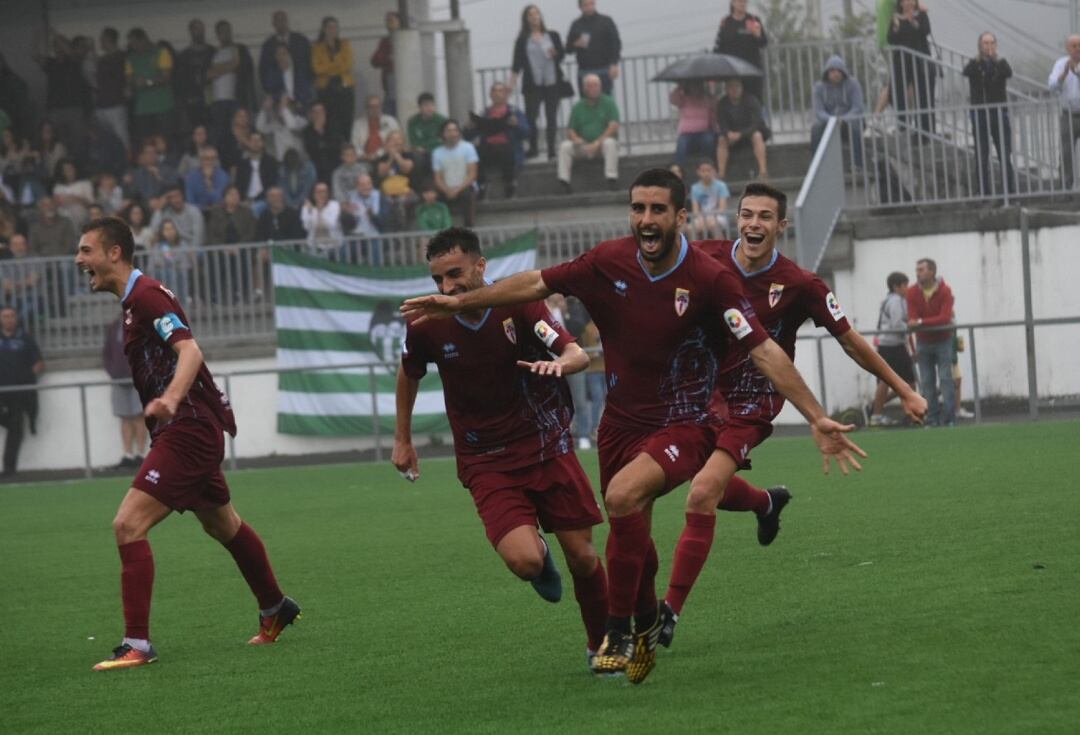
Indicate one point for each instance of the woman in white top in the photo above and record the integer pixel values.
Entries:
(72, 194)
(140, 227)
(321, 217)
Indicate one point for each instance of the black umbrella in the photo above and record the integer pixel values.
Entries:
(708, 66)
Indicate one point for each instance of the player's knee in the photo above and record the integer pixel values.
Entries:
(582, 561)
(126, 529)
(706, 490)
(525, 566)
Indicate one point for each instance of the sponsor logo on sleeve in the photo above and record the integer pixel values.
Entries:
(167, 324)
(682, 301)
(545, 333)
(510, 330)
(834, 307)
(737, 323)
(776, 290)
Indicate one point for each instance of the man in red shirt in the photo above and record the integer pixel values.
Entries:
(187, 416)
(930, 304)
(666, 313)
(784, 296)
(502, 131)
(510, 412)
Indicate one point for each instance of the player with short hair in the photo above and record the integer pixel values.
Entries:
(665, 312)
(510, 411)
(783, 296)
(187, 416)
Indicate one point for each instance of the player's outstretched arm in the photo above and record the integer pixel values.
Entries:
(189, 359)
(404, 456)
(829, 435)
(572, 360)
(859, 350)
(519, 288)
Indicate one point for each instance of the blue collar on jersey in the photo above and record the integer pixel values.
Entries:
(682, 256)
(131, 283)
(483, 320)
(772, 262)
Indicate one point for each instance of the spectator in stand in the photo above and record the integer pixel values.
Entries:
(50, 149)
(13, 149)
(697, 121)
(141, 232)
(1065, 82)
(109, 195)
(913, 74)
(256, 174)
(232, 151)
(838, 94)
(22, 284)
(187, 217)
(343, 180)
(282, 123)
(149, 180)
(52, 233)
(30, 182)
(742, 35)
(297, 178)
(230, 78)
(288, 82)
(383, 60)
(101, 150)
(71, 193)
(538, 55)
(592, 131)
(230, 222)
(893, 347)
(278, 222)
(321, 217)
(741, 121)
(454, 165)
(930, 304)
(126, 405)
(200, 138)
(67, 92)
(368, 209)
(15, 98)
(205, 186)
(332, 59)
(170, 257)
(987, 75)
(432, 215)
(595, 40)
(501, 133)
(149, 74)
(272, 69)
(708, 201)
(110, 78)
(321, 143)
(20, 364)
(395, 170)
(190, 79)
(425, 127)
(369, 132)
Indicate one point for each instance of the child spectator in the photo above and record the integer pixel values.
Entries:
(708, 197)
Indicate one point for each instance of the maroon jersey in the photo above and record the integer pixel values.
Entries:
(783, 296)
(503, 417)
(664, 336)
(153, 322)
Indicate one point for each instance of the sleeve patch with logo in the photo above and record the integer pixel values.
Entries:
(545, 333)
(168, 324)
(737, 323)
(834, 307)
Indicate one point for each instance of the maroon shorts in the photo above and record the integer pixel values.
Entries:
(183, 467)
(680, 450)
(740, 434)
(556, 493)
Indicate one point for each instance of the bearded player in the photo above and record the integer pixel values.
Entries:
(783, 296)
(665, 312)
(510, 413)
(187, 416)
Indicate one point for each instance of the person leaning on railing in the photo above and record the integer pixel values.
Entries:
(838, 94)
(987, 74)
(912, 74)
(1065, 81)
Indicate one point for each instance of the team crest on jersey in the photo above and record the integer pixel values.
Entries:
(737, 323)
(682, 301)
(128, 317)
(834, 307)
(776, 290)
(510, 330)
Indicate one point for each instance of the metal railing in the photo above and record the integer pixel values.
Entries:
(819, 205)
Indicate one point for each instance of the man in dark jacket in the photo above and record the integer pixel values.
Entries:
(595, 40)
(987, 75)
(20, 364)
(278, 222)
(741, 123)
(189, 79)
(837, 94)
(742, 35)
(256, 172)
(270, 73)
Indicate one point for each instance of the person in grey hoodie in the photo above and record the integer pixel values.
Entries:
(837, 94)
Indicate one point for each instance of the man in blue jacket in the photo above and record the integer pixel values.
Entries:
(837, 94)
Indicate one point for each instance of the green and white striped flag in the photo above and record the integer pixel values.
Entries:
(333, 314)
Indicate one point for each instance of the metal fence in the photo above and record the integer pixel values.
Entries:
(819, 205)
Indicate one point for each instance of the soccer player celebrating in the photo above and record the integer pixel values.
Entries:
(665, 312)
(187, 416)
(783, 296)
(510, 412)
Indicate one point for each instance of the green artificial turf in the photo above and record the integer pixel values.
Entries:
(938, 591)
